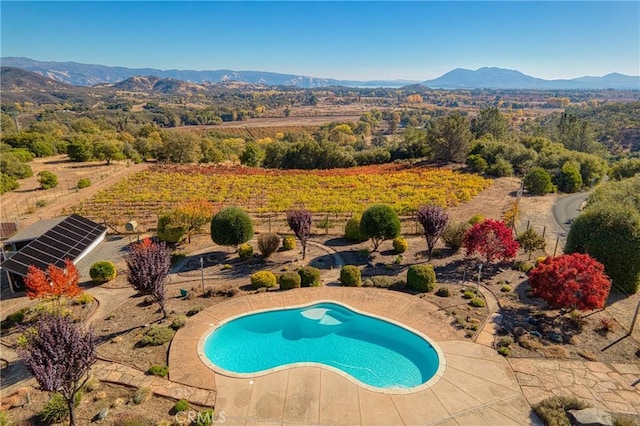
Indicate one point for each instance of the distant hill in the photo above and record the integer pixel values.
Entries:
(501, 78)
(18, 85)
(89, 75)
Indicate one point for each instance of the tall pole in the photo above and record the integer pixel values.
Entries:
(202, 273)
(633, 321)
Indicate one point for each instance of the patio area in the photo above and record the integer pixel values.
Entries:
(478, 385)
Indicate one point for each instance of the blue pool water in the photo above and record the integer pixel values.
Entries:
(373, 351)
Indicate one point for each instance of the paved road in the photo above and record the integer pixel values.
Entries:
(567, 208)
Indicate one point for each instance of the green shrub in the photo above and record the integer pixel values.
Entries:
(504, 351)
(505, 341)
(469, 294)
(158, 370)
(231, 226)
(379, 222)
(524, 266)
(400, 245)
(289, 242)
(142, 395)
(55, 410)
(350, 276)
(41, 203)
(157, 335)
(84, 183)
(102, 272)
(181, 405)
(8, 183)
(204, 418)
(538, 182)
(47, 180)
(477, 163)
(570, 179)
(506, 288)
(245, 251)
(263, 279)
(500, 168)
(453, 234)
(476, 302)
(83, 299)
(443, 292)
(168, 231)
(309, 276)
(178, 322)
(352, 229)
(268, 244)
(421, 278)
(5, 420)
(289, 280)
(553, 410)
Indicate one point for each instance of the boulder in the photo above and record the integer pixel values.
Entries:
(590, 417)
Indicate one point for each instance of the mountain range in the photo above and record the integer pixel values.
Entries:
(488, 77)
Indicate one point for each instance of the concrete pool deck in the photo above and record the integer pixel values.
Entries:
(478, 385)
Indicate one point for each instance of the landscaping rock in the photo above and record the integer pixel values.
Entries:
(536, 333)
(590, 417)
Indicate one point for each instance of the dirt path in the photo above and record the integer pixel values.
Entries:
(29, 203)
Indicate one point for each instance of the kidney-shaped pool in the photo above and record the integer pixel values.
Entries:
(373, 351)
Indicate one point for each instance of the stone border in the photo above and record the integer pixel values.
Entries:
(442, 364)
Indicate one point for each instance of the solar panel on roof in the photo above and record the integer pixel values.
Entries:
(66, 240)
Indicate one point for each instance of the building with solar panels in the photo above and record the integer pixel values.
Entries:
(48, 242)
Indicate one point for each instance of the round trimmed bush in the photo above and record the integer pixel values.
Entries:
(232, 226)
(84, 183)
(245, 251)
(289, 280)
(476, 302)
(263, 279)
(102, 272)
(400, 245)
(421, 278)
(167, 231)
(443, 292)
(268, 243)
(182, 405)
(352, 229)
(289, 242)
(538, 182)
(380, 222)
(453, 234)
(309, 276)
(350, 276)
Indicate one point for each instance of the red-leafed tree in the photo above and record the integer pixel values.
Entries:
(300, 223)
(59, 353)
(575, 281)
(148, 265)
(492, 239)
(433, 219)
(54, 283)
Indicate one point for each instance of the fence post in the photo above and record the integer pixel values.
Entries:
(544, 231)
(556, 247)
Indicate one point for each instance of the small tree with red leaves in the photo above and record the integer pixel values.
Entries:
(300, 223)
(433, 219)
(149, 264)
(575, 281)
(492, 239)
(54, 283)
(59, 353)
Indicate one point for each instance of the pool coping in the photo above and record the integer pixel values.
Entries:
(439, 373)
(477, 386)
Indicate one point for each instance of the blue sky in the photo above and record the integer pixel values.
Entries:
(347, 40)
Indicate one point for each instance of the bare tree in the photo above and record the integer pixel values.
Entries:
(434, 220)
(300, 223)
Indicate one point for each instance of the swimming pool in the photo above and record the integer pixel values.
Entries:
(374, 352)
